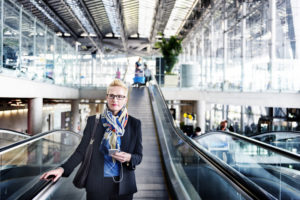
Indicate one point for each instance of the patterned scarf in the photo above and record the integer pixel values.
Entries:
(115, 128)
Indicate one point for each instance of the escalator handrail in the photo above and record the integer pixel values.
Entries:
(280, 151)
(14, 132)
(237, 178)
(293, 134)
(32, 139)
(35, 189)
(270, 132)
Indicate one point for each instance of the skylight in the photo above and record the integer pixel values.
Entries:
(146, 15)
(110, 8)
(179, 15)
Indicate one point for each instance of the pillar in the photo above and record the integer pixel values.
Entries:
(75, 117)
(178, 111)
(201, 115)
(35, 116)
(92, 108)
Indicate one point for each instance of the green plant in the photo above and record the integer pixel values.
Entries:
(170, 50)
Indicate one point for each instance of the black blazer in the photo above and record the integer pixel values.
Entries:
(131, 142)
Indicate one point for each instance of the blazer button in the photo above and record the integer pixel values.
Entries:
(127, 164)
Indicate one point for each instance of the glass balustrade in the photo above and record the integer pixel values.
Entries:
(21, 165)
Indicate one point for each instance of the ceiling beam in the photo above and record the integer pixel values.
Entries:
(156, 21)
(91, 19)
(56, 17)
(99, 45)
(121, 24)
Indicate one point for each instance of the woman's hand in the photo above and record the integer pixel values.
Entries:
(57, 173)
(122, 156)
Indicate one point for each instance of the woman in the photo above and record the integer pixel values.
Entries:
(110, 176)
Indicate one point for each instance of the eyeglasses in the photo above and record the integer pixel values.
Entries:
(119, 97)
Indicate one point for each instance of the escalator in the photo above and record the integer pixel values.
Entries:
(173, 167)
(8, 137)
(275, 170)
(288, 140)
(23, 162)
(223, 166)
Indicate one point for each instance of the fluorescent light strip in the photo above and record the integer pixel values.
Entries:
(110, 8)
(47, 15)
(180, 13)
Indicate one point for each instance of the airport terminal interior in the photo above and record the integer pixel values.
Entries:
(217, 91)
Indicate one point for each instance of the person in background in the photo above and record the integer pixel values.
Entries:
(138, 66)
(223, 125)
(111, 176)
(118, 74)
(197, 132)
(231, 128)
(147, 73)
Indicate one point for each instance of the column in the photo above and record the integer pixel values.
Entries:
(75, 117)
(178, 110)
(35, 116)
(100, 108)
(201, 115)
(92, 108)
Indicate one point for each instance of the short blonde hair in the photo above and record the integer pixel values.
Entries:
(119, 83)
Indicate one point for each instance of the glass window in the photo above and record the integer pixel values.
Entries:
(207, 56)
(58, 72)
(49, 57)
(40, 61)
(287, 48)
(27, 56)
(218, 49)
(1, 38)
(11, 18)
(233, 71)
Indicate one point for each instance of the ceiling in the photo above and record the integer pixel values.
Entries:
(128, 27)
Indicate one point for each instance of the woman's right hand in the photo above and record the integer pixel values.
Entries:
(57, 173)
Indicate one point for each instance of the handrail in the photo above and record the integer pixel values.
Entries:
(33, 138)
(275, 149)
(35, 189)
(14, 132)
(238, 179)
(270, 132)
(278, 150)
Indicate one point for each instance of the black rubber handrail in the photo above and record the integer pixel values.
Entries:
(35, 137)
(15, 132)
(280, 151)
(247, 186)
(35, 189)
(270, 132)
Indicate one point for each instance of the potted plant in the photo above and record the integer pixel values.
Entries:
(170, 50)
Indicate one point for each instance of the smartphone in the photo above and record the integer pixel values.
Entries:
(112, 151)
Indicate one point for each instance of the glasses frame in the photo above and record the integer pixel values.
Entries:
(118, 97)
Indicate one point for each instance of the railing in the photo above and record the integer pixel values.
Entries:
(8, 137)
(193, 171)
(24, 161)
